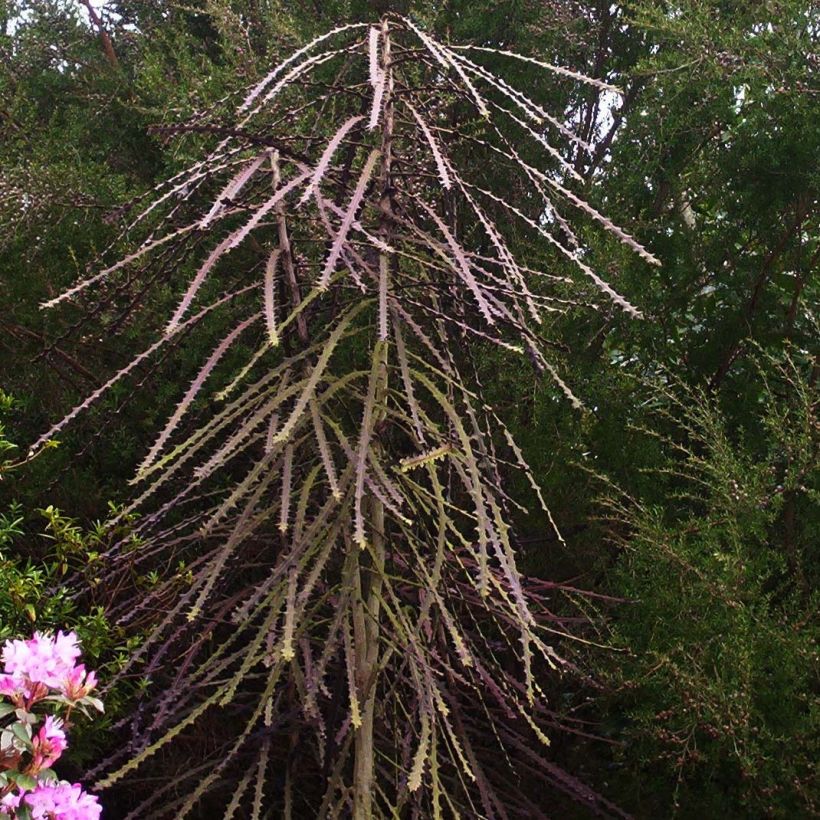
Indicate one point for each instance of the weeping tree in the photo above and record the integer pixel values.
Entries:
(348, 632)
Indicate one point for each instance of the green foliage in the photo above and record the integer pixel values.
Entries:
(717, 160)
(713, 694)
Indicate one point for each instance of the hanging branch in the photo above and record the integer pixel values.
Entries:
(339, 498)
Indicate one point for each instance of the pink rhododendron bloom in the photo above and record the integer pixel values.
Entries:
(42, 659)
(78, 683)
(49, 743)
(33, 670)
(10, 802)
(62, 801)
(21, 689)
(66, 648)
(11, 687)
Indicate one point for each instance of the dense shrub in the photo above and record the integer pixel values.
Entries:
(715, 691)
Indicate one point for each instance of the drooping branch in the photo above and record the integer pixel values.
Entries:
(332, 476)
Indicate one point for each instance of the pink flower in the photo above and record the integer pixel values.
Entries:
(78, 683)
(10, 802)
(11, 687)
(20, 690)
(67, 648)
(41, 659)
(33, 667)
(62, 801)
(49, 743)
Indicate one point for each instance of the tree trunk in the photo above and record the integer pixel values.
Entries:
(370, 565)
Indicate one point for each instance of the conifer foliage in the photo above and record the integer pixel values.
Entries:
(353, 628)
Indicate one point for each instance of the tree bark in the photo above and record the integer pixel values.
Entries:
(370, 566)
(105, 38)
